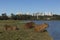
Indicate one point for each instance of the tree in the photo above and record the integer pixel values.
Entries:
(4, 16)
(13, 16)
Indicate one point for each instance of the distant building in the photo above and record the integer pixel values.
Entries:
(27, 13)
(36, 14)
(19, 13)
(49, 14)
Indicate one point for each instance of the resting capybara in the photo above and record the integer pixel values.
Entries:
(41, 27)
(29, 25)
(9, 27)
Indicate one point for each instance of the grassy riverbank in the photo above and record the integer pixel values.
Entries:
(21, 34)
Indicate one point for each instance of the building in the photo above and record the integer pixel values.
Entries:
(19, 13)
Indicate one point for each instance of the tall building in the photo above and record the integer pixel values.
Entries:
(48, 13)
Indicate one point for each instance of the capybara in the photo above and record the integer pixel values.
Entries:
(29, 25)
(7, 27)
(10, 27)
(41, 27)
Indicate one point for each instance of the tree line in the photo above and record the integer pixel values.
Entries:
(4, 16)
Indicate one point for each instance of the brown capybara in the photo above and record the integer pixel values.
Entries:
(9, 27)
(29, 25)
(41, 28)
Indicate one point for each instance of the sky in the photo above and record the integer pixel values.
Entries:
(14, 6)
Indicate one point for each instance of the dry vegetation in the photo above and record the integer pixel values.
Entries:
(22, 33)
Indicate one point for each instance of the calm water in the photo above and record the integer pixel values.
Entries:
(53, 29)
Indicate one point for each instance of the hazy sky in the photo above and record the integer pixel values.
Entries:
(14, 6)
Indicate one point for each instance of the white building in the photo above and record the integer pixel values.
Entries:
(48, 13)
(27, 13)
(43, 14)
(19, 13)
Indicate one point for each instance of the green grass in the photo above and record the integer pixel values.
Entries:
(22, 33)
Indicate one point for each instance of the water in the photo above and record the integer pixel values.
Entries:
(53, 29)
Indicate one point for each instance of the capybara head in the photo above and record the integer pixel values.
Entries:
(45, 25)
(41, 27)
(29, 25)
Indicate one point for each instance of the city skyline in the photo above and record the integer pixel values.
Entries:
(33, 14)
(14, 6)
